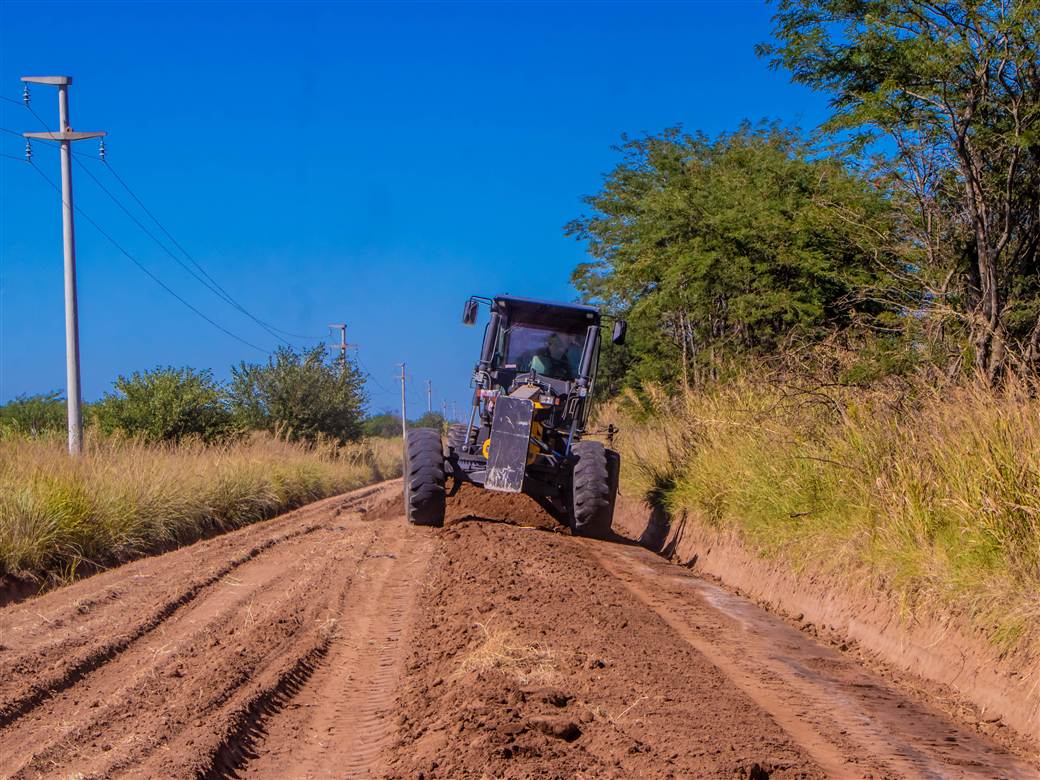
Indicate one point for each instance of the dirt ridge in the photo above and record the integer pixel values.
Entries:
(982, 685)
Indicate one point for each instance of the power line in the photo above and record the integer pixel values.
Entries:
(38, 117)
(369, 374)
(212, 288)
(224, 293)
(20, 136)
(24, 104)
(147, 272)
(212, 283)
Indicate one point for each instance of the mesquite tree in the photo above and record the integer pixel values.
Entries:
(728, 248)
(956, 86)
(300, 396)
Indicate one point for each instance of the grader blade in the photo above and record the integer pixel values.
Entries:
(510, 438)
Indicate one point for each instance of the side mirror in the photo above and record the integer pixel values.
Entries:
(469, 312)
(618, 336)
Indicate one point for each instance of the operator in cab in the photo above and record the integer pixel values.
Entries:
(558, 357)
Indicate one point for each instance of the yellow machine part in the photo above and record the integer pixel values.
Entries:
(532, 448)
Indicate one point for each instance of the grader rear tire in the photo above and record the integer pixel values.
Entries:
(424, 477)
(457, 437)
(593, 489)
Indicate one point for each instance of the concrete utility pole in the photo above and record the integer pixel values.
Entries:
(429, 396)
(342, 328)
(404, 409)
(65, 136)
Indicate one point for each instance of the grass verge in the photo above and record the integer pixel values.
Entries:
(122, 499)
(931, 496)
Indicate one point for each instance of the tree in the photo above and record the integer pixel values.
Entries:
(428, 420)
(725, 247)
(956, 86)
(386, 425)
(34, 414)
(302, 396)
(165, 404)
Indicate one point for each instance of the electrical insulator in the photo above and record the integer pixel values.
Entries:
(101, 150)
(28, 151)
(25, 94)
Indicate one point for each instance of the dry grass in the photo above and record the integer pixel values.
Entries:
(930, 495)
(500, 649)
(123, 499)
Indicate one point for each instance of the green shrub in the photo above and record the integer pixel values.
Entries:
(34, 415)
(165, 404)
(308, 396)
(429, 420)
(385, 425)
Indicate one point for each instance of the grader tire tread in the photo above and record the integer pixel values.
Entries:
(593, 489)
(424, 477)
(457, 436)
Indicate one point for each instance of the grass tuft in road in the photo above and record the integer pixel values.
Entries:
(500, 649)
(122, 499)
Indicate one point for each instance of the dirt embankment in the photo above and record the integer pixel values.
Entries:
(964, 675)
(338, 641)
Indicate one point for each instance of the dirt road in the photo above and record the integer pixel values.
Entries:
(337, 641)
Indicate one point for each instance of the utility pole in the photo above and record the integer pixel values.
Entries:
(404, 410)
(454, 412)
(65, 136)
(342, 328)
(444, 409)
(429, 396)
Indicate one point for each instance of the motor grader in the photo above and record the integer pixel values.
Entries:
(533, 389)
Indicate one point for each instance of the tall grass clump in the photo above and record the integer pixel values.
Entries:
(124, 498)
(930, 495)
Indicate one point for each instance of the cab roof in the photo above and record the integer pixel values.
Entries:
(547, 313)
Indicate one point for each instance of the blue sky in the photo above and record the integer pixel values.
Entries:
(367, 163)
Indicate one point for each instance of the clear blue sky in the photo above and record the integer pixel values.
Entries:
(366, 163)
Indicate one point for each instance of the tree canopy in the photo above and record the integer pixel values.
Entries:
(728, 246)
(165, 404)
(34, 415)
(300, 395)
(955, 86)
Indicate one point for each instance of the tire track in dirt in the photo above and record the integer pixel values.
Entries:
(177, 693)
(338, 722)
(53, 642)
(74, 668)
(851, 722)
(127, 683)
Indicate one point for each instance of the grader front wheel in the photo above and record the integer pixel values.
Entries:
(424, 477)
(593, 489)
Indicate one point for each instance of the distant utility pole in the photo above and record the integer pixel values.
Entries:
(429, 396)
(65, 136)
(454, 412)
(404, 409)
(342, 328)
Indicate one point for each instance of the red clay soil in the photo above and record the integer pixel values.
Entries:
(531, 662)
(338, 641)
